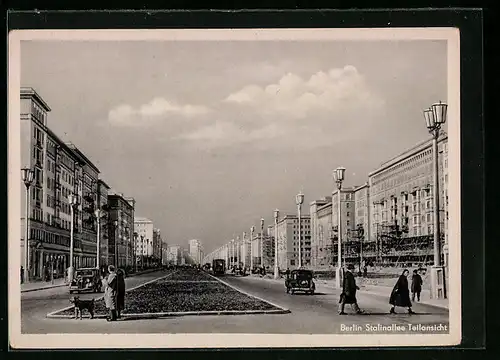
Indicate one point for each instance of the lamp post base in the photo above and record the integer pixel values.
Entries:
(338, 278)
(438, 283)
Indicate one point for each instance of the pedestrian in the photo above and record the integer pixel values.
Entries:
(22, 275)
(110, 291)
(400, 295)
(416, 285)
(120, 292)
(349, 288)
(365, 271)
(287, 273)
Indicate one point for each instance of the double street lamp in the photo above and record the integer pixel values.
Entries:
(28, 176)
(276, 270)
(261, 242)
(252, 230)
(98, 214)
(73, 202)
(435, 117)
(299, 200)
(338, 176)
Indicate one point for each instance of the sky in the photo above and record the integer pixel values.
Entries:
(209, 137)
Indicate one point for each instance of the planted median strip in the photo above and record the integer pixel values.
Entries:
(187, 292)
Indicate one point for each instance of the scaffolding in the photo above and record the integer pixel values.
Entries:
(391, 247)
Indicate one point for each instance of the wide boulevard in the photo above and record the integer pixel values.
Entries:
(309, 314)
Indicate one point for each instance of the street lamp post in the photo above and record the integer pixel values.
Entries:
(252, 230)
(142, 252)
(127, 242)
(98, 213)
(28, 176)
(276, 216)
(338, 175)
(238, 248)
(262, 242)
(435, 117)
(232, 252)
(73, 201)
(244, 252)
(135, 251)
(299, 200)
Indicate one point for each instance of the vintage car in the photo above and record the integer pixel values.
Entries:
(86, 279)
(300, 280)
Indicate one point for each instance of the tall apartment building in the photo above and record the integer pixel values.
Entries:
(157, 244)
(120, 231)
(145, 233)
(174, 254)
(60, 170)
(288, 241)
(196, 251)
(395, 203)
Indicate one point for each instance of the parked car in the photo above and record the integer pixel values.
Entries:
(300, 280)
(86, 279)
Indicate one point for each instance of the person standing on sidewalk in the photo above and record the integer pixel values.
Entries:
(416, 285)
(349, 289)
(120, 292)
(111, 285)
(400, 295)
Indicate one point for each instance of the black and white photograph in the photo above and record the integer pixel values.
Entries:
(234, 188)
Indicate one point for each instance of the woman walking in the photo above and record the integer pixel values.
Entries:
(120, 292)
(400, 295)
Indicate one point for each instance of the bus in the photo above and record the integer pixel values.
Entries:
(219, 266)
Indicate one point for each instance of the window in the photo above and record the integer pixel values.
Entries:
(347, 205)
(348, 213)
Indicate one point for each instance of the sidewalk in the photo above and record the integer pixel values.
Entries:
(43, 285)
(376, 290)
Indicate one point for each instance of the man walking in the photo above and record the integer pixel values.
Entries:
(416, 285)
(349, 289)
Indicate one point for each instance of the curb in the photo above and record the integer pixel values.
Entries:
(43, 288)
(255, 297)
(53, 314)
(61, 285)
(180, 313)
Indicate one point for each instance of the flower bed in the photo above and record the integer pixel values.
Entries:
(165, 296)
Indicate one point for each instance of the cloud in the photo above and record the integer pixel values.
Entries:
(296, 98)
(157, 108)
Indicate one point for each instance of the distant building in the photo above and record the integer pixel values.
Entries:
(145, 232)
(196, 251)
(120, 230)
(174, 255)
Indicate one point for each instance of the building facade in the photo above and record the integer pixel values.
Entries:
(395, 203)
(195, 251)
(120, 234)
(60, 170)
(288, 241)
(145, 234)
(174, 254)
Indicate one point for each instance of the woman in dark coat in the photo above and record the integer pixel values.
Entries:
(111, 285)
(120, 292)
(400, 295)
(349, 289)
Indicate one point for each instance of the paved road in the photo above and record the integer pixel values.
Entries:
(35, 305)
(315, 314)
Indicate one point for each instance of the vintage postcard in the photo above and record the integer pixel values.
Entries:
(234, 188)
